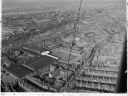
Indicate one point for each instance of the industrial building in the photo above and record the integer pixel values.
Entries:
(35, 63)
(63, 55)
(34, 49)
(30, 53)
(18, 71)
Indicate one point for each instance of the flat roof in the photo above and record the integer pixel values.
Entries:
(74, 49)
(35, 59)
(39, 62)
(18, 71)
(62, 55)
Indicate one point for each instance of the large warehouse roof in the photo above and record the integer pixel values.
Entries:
(36, 63)
(64, 57)
(18, 71)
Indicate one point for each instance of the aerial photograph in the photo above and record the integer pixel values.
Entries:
(62, 46)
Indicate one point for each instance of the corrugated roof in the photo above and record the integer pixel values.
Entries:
(39, 62)
(35, 59)
(18, 71)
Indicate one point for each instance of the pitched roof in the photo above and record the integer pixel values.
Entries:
(34, 48)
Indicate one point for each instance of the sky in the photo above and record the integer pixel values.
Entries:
(13, 3)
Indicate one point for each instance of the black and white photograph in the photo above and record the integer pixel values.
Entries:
(63, 46)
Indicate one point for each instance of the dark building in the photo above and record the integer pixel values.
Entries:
(29, 52)
(34, 49)
(38, 62)
(18, 71)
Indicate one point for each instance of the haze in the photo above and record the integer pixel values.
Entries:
(16, 3)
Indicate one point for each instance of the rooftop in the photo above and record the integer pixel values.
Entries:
(18, 71)
(38, 62)
(29, 52)
(75, 50)
(63, 56)
(34, 48)
(35, 59)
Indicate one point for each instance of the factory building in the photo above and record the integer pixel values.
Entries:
(18, 71)
(38, 62)
(34, 49)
